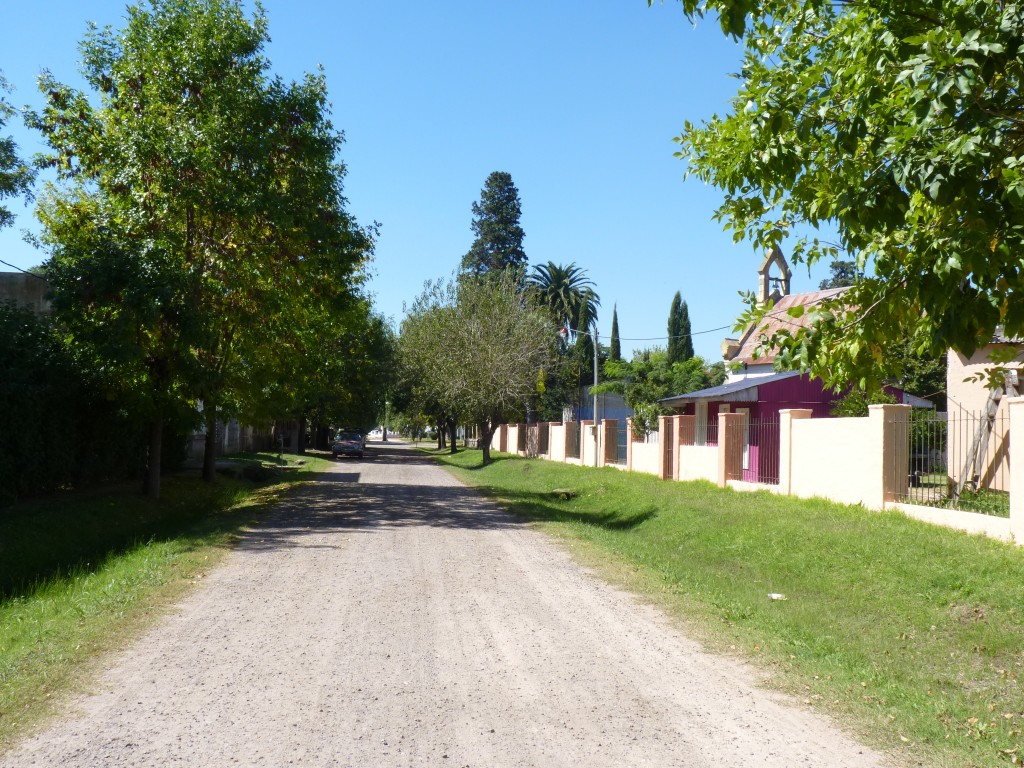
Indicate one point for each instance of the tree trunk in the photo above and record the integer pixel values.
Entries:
(300, 440)
(439, 427)
(486, 433)
(156, 444)
(452, 435)
(210, 444)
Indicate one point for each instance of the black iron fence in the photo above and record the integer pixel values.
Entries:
(958, 461)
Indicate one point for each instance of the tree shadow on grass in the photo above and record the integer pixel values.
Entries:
(545, 506)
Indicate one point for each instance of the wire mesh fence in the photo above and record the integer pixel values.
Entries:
(958, 460)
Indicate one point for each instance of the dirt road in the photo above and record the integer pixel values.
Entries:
(389, 617)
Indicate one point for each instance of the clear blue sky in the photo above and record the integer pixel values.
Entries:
(578, 101)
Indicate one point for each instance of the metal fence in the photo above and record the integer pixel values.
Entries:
(621, 441)
(573, 441)
(956, 461)
(759, 437)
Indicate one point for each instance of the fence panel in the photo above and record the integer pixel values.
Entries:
(621, 441)
(957, 461)
(573, 439)
(759, 437)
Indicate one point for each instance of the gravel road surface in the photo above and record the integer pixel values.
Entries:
(387, 616)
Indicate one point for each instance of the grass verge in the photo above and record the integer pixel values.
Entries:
(82, 575)
(912, 635)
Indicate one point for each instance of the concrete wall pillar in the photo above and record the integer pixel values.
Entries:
(610, 440)
(503, 438)
(677, 422)
(666, 440)
(1016, 459)
(730, 447)
(786, 418)
(629, 444)
(895, 454)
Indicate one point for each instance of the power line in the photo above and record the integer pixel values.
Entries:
(25, 271)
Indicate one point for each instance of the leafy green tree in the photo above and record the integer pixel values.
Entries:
(649, 377)
(498, 243)
(198, 216)
(15, 175)
(898, 125)
(478, 346)
(844, 274)
(614, 349)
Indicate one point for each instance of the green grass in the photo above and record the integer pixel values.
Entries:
(83, 574)
(911, 634)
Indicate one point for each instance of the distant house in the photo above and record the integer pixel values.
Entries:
(978, 421)
(739, 353)
(755, 388)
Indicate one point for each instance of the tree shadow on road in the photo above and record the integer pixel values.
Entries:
(338, 501)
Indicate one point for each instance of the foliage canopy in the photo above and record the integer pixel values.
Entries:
(898, 124)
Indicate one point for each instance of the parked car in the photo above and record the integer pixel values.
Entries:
(347, 444)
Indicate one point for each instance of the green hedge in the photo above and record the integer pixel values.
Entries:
(61, 423)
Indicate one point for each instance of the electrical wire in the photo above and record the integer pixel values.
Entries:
(25, 271)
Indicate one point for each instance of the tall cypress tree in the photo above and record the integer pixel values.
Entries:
(675, 331)
(685, 334)
(615, 353)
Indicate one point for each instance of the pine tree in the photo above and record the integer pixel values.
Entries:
(499, 237)
(615, 352)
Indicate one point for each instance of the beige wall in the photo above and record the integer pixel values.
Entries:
(647, 458)
(556, 442)
(698, 462)
(838, 459)
(971, 396)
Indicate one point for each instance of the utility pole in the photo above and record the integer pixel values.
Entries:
(597, 432)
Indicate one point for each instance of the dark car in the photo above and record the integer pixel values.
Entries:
(347, 444)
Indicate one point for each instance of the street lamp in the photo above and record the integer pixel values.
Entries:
(387, 407)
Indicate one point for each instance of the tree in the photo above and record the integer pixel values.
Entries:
(498, 243)
(650, 377)
(680, 343)
(899, 125)
(614, 350)
(844, 274)
(567, 293)
(478, 345)
(199, 218)
(15, 176)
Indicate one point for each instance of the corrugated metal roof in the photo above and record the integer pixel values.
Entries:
(779, 318)
(723, 391)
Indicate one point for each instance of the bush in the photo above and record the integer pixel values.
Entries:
(62, 422)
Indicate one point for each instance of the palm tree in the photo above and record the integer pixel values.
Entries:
(566, 291)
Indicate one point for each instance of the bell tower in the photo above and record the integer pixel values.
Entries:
(773, 288)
